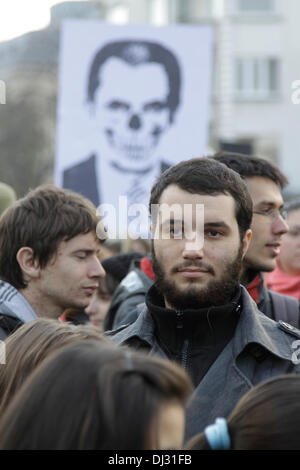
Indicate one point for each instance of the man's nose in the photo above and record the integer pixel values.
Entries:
(96, 269)
(280, 226)
(193, 248)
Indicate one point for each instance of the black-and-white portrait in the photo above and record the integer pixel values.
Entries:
(132, 114)
(133, 105)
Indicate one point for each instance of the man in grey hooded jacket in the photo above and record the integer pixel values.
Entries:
(48, 256)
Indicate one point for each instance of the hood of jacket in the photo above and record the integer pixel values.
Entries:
(14, 304)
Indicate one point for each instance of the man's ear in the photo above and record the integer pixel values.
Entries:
(28, 263)
(246, 241)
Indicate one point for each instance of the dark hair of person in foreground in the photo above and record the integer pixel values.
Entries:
(265, 418)
(96, 396)
(30, 344)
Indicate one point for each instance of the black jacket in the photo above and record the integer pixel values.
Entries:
(129, 294)
(82, 178)
(274, 305)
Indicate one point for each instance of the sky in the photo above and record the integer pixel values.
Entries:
(20, 16)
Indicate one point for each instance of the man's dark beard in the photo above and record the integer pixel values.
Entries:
(216, 292)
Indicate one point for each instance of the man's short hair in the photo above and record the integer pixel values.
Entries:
(41, 220)
(136, 52)
(209, 177)
(248, 166)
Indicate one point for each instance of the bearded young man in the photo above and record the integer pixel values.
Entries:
(197, 313)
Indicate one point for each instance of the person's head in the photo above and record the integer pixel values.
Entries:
(116, 267)
(30, 344)
(198, 263)
(264, 181)
(134, 91)
(289, 257)
(115, 399)
(49, 249)
(265, 418)
(7, 196)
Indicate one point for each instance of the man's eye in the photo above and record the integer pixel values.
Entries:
(81, 255)
(175, 231)
(214, 233)
(268, 211)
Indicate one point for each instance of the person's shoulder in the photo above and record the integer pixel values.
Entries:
(78, 168)
(277, 337)
(284, 308)
(291, 335)
(125, 335)
(8, 324)
(280, 329)
(130, 335)
(141, 329)
(289, 329)
(112, 333)
(286, 341)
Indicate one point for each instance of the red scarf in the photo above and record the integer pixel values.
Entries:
(252, 288)
(146, 267)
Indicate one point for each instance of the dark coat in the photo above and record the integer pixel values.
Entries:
(82, 178)
(260, 348)
(129, 294)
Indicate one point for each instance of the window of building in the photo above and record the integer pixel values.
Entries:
(256, 78)
(191, 11)
(255, 6)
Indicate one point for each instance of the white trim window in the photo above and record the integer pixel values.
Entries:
(255, 6)
(256, 78)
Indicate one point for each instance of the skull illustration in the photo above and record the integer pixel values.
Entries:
(132, 97)
(132, 108)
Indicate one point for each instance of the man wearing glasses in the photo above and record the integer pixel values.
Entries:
(265, 182)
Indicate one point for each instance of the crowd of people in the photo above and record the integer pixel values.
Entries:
(185, 341)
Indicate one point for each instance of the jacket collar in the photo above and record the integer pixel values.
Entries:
(253, 328)
(256, 328)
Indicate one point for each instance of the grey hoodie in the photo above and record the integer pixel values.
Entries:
(13, 305)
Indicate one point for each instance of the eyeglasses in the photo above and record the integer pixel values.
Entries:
(272, 213)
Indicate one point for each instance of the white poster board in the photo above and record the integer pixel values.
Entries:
(133, 100)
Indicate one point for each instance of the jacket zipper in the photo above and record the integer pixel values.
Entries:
(184, 350)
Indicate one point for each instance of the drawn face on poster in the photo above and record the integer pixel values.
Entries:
(133, 112)
(133, 101)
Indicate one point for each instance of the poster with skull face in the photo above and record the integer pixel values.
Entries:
(133, 100)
